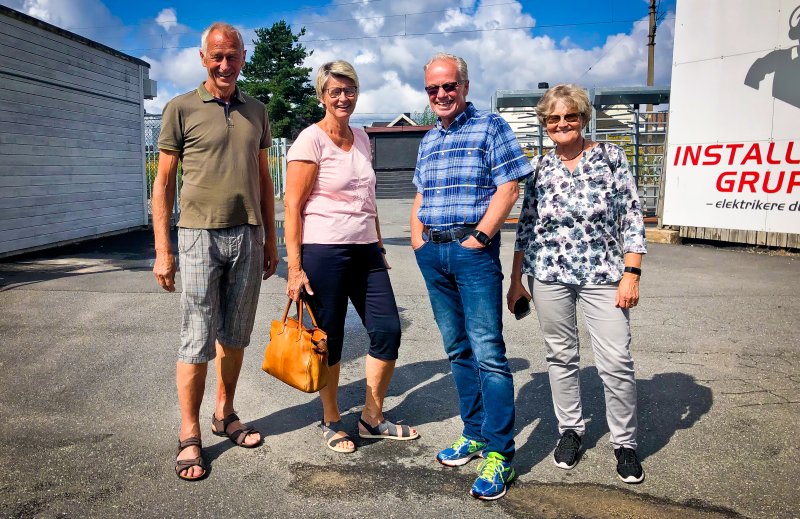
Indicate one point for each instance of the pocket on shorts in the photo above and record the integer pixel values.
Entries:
(187, 239)
(259, 234)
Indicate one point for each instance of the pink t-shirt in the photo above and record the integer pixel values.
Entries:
(341, 206)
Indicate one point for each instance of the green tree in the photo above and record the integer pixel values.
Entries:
(425, 117)
(274, 76)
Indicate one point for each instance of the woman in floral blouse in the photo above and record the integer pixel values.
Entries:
(580, 238)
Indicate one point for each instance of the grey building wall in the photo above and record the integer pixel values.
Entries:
(394, 159)
(71, 136)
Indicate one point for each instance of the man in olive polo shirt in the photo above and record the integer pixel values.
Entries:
(226, 235)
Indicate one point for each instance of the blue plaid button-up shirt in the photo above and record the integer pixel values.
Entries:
(459, 168)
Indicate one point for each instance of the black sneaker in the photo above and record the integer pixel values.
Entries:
(629, 469)
(566, 454)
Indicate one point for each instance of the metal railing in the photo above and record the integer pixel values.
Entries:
(277, 165)
(641, 133)
(152, 127)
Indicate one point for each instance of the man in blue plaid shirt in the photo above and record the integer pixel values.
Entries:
(467, 178)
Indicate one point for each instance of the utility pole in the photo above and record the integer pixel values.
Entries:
(651, 43)
(651, 55)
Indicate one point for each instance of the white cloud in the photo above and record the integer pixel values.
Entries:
(177, 70)
(89, 18)
(499, 56)
(364, 58)
(388, 99)
(179, 67)
(389, 42)
(454, 20)
(167, 19)
(370, 22)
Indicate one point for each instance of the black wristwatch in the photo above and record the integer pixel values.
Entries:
(482, 237)
(634, 270)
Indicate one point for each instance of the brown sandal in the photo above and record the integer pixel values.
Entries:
(220, 428)
(181, 465)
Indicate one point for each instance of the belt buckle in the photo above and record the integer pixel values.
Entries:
(437, 236)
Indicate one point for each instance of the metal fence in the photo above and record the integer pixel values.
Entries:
(152, 127)
(641, 133)
(277, 165)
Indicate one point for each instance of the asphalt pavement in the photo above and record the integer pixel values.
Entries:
(89, 413)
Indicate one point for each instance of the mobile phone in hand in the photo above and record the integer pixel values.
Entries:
(522, 308)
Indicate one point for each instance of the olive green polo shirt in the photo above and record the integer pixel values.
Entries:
(219, 145)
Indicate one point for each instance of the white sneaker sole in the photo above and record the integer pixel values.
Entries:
(631, 479)
(564, 465)
(490, 498)
(461, 461)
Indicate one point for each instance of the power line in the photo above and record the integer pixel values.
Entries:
(406, 34)
(605, 53)
(401, 15)
(154, 21)
(464, 31)
(602, 56)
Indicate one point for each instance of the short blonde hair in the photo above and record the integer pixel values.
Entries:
(461, 65)
(571, 95)
(226, 29)
(339, 68)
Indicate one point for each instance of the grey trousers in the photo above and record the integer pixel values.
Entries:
(609, 328)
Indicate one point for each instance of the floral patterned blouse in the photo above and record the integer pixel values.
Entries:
(576, 227)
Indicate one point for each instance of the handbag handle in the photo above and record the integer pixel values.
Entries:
(300, 305)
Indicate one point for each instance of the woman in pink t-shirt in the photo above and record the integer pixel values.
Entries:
(335, 253)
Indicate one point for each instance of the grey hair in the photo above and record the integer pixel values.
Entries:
(339, 68)
(226, 29)
(571, 95)
(461, 65)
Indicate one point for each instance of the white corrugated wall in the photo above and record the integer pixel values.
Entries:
(71, 158)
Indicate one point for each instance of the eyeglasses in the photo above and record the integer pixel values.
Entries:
(570, 118)
(348, 92)
(432, 90)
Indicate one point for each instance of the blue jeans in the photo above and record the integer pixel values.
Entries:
(465, 289)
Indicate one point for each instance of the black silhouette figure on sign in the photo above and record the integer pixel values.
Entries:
(784, 63)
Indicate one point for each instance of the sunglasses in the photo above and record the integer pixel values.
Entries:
(432, 90)
(348, 92)
(570, 118)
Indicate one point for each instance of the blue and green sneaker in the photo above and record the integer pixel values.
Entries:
(494, 476)
(460, 452)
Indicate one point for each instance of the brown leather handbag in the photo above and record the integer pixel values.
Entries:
(297, 355)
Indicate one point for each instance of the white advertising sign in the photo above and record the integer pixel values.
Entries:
(733, 160)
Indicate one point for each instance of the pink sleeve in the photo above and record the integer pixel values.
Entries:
(305, 147)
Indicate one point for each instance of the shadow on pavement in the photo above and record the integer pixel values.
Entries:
(406, 242)
(667, 403)
(430, 398)
(132, 251)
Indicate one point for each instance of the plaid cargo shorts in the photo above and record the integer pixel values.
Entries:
(221, 272)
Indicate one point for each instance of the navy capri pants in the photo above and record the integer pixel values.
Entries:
(355, 272)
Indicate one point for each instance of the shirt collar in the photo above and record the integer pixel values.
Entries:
(206, 96)
(460, 119)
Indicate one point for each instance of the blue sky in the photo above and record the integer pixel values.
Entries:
(507, 44)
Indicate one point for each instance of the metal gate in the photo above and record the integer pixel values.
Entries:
(620, 116)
